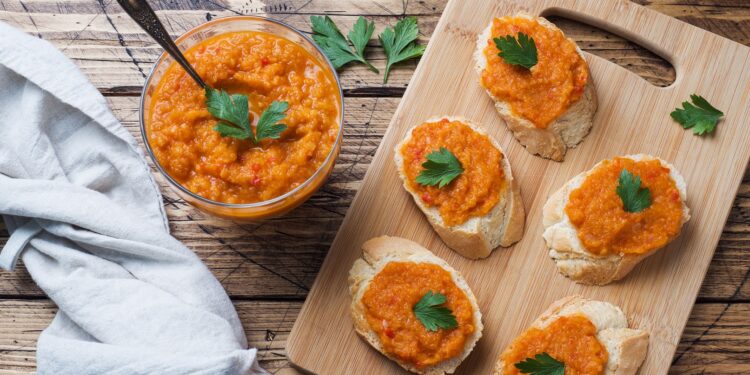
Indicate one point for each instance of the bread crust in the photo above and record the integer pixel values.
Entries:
(561, 237)
(376, 254)
(567, 131)
(478, 236)
(626, 347)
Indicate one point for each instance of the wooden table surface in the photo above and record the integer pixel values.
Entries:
(268, 268)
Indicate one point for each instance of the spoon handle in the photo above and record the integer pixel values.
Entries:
(144, 16)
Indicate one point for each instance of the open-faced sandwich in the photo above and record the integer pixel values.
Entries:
(461, 180)
(539, 81)
(576, 336)
(412, 306)
(604, 221)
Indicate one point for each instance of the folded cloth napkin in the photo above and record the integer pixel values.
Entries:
(86, 218)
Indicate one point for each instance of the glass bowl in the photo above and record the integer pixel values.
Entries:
(246, 211)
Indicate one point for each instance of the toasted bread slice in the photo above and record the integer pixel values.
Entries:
(565, 248)
(565, 132)
(626, 348)
(376, 254)
(478, 236)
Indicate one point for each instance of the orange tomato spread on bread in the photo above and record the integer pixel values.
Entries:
(569, 339)
(544, 92)
(477, 190)
(604, 227)
(264, 67)
(388, 304)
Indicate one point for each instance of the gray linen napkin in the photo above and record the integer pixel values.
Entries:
(86, 217)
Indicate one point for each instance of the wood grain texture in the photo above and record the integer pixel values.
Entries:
(267, 325)
(632, 118)
(716, 339)
(288, 251)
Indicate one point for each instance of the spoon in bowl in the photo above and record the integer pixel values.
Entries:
(144, 16)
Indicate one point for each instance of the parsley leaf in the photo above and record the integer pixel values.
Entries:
(432, 315)
(359, 35)
(634, 197)
(400, 44)
(227, 130)
(233, 110)
(328, 36)
(541, 364)
(267, 123)
(702, 117)
(440, 168)
(517, 52)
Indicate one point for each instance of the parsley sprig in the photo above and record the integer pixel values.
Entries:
(521, 51)
(700, 116)
(432, 315)
(440, 169)
(235, 115)
(541, 364)
(634, 197)
(330, 39)
(268, 126)
(400, 43)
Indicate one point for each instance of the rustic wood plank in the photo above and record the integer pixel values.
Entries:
(266, 323)
(281, 257)
(242, 7)
(716, 339)
(728, 18)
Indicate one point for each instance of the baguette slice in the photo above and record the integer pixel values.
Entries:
(626, 347)
(376, 253)
(478, 236)
(571, 258)
(565, 132)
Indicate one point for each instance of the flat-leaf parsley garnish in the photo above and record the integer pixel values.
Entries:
(521, 51)
(440, 169)
(328, 36)
(432, 315)
(400, 44)
(234, 113)
(268, 126)
(700, 116)
(541, 364)
(634, 197)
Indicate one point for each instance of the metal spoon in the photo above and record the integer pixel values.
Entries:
(144, 16)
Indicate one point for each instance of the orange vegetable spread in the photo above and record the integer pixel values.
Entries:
(477, 190)
(389, 301)
(569, 339)
(604, 227)
(264, 67)
(547, 90)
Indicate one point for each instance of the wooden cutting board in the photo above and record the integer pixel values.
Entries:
(516, 284)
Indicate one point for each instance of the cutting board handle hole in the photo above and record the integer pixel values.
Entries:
(622, 51)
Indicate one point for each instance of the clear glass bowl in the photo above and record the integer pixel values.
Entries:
(249, 211)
